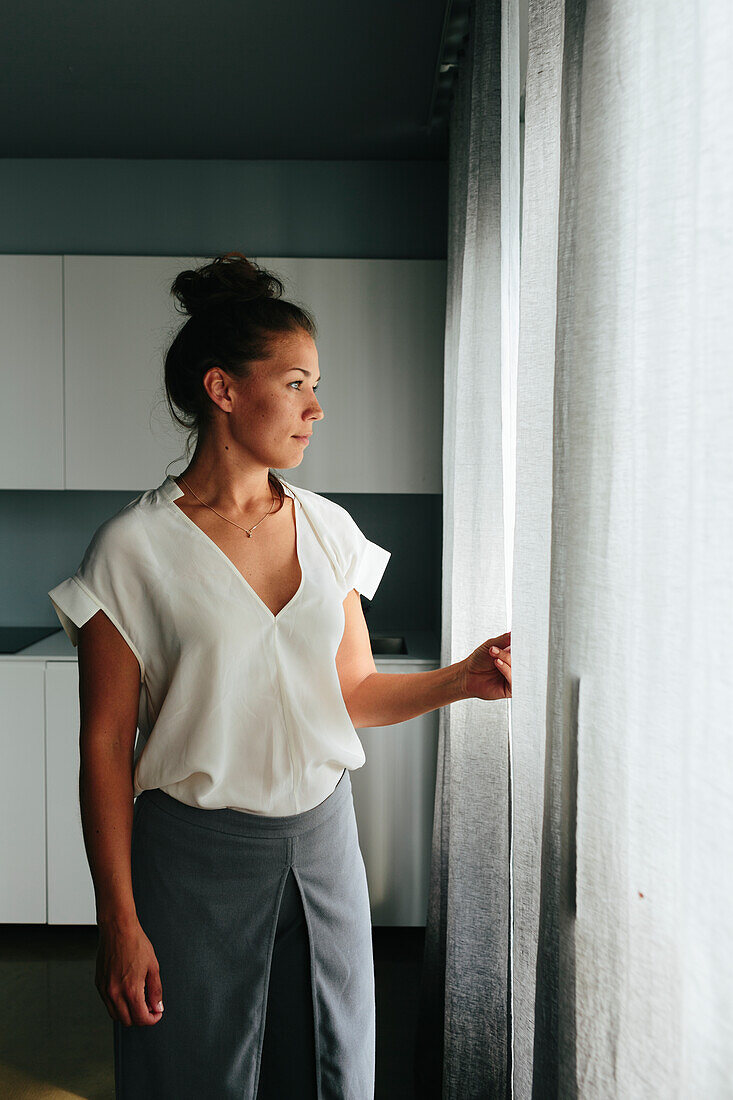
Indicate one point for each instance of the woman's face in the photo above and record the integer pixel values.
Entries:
(276, 404)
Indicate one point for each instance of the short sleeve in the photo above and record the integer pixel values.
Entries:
(73, 605)
(102, 582)
(365, 561)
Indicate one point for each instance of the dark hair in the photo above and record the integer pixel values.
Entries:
(234, 307)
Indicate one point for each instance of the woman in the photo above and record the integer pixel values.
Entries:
(220, 614)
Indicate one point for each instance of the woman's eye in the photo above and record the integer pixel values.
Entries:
(299, 382)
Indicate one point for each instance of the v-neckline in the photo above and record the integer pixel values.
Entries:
(172, 490)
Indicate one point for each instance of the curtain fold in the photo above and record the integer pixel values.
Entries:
(532, 552)
(463, 1045)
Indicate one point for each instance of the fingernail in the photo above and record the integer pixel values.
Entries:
(499, 661)
(159, 1006)
(494, 649)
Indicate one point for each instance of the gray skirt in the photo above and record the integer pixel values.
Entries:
(208, 887)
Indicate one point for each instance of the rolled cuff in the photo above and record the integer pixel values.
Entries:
(370, 570)
(75, 604)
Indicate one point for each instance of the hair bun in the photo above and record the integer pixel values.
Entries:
(230, 279)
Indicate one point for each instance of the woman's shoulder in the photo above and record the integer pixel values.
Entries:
(320, 505)
(335, 526)
(359, 562)
(123, 533)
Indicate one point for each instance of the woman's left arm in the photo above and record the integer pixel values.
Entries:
(384, 698)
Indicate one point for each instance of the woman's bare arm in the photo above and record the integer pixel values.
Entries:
(127, 976)
(109, 690)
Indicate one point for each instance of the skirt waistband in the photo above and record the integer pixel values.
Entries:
(228, 820)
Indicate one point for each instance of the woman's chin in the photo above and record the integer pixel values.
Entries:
(289, 462)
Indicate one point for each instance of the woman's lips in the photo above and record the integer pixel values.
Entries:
(302, 438)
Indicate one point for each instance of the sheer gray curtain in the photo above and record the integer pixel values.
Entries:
(607, 831)
(464, 1033)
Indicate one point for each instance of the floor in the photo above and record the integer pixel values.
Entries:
(56, 1034)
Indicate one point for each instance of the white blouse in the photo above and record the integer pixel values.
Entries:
(238, 707)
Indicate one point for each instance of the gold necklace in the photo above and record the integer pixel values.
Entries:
(247, 530)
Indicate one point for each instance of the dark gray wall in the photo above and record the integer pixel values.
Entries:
(359, 209)
(364, 209)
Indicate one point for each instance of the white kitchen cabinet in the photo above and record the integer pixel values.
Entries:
(84, 343)
(119, 319)
(70, 886)
(22, 807)
(31, 365)
(380, 346)
(393, 801)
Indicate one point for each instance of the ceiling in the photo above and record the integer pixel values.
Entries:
(231, 79)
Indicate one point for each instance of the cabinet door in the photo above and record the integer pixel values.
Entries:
(70, 886)
(381, 328)
(22, 806)
(119, 319)
(394, 794)
(31, 365)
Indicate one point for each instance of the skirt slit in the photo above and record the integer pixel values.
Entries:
(287, 1063)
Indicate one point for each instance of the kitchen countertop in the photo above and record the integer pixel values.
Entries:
(423, 646)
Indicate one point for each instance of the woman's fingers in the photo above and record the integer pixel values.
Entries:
(503, 661)
(500, 655)
(119, 1001)
(154, 990)
(140, 1014)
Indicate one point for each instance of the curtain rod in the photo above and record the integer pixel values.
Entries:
(452, 44)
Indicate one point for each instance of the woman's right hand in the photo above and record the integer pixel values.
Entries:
(127, 975)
